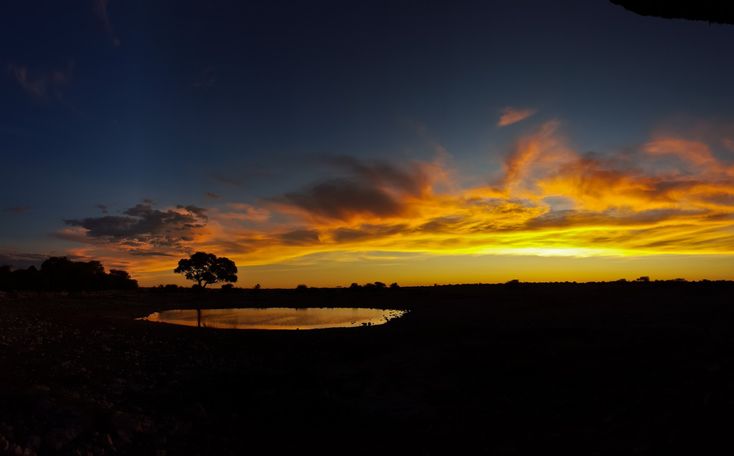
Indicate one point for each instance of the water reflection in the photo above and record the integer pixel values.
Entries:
(276, 317)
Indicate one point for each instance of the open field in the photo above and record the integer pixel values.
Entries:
(637, 368)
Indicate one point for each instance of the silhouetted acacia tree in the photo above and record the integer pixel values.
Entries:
(206, 269)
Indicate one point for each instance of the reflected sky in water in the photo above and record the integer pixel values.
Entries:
(280, 318)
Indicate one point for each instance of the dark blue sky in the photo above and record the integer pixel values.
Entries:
(111, 102)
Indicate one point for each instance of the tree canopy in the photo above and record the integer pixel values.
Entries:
(61, 273)
(206, 269)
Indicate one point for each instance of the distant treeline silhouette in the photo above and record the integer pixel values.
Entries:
(373, 286)
(62, 274)
(353, 286)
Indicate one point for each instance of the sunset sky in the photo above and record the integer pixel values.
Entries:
(334, 142)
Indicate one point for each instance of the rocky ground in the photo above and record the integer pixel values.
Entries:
(589, 369)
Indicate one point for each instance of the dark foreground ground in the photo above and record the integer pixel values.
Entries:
(530, 369)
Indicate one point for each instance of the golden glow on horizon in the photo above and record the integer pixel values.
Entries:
(673, 197)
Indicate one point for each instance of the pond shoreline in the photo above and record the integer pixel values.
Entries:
(275, 318)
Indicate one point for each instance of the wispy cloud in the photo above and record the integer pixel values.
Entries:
(694, 152)
(510, 115)
(16, 210)
(101, 10)
(40, 84)
(244, 212)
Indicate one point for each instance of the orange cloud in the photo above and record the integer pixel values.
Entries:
(511, 115)
(534, 155)
(365, 191)
(245, 212)
(694, 152)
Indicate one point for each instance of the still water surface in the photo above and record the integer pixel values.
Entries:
(276, 317)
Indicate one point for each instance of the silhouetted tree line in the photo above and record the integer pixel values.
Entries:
(62, 274)
(373, 286)
(353, 286)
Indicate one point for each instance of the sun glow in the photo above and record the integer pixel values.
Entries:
(579, 252)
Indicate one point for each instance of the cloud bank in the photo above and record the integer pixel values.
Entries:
(669, 195)
(141, 229)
